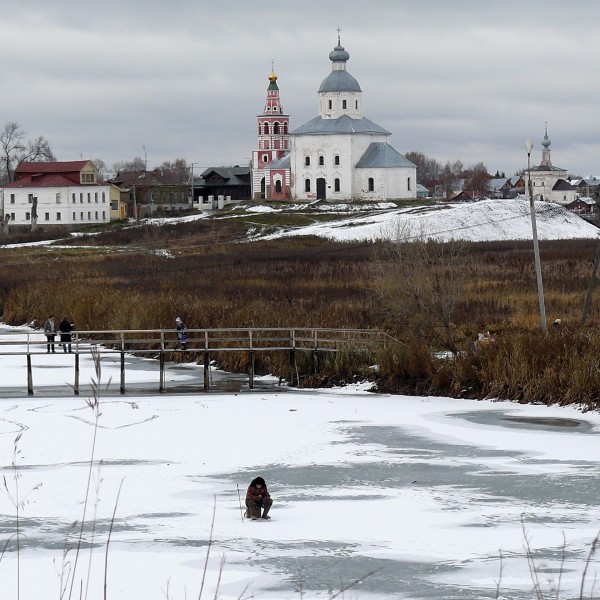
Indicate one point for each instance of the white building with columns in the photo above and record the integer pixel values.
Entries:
(342, 155)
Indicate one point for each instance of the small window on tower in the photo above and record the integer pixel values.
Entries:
(307, 185)
(321, 160)
(265, 158)
(330, 105)
(344, 104)
(307, 161)
(276, 128)
(336, 160)
(266, 129)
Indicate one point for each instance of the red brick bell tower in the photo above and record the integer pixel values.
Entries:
(270, 177)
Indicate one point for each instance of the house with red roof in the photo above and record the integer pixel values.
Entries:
(56, 193)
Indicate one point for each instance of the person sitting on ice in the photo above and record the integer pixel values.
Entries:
(258, 497)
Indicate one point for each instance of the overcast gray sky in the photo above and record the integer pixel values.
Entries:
(468, 79)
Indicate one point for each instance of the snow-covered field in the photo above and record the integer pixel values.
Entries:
(424, 492)
(488, 220)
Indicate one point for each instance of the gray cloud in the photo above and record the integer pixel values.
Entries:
(463, 79)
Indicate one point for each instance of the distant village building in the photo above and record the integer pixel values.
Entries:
(340, 154)
(271, 160)
(56, 193)
(149, 194)
(548, 182)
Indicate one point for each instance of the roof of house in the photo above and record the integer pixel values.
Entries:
(51, 167)
(380, 155)
(496, 184)
(344, 124)
(232, 175)
(44, 180)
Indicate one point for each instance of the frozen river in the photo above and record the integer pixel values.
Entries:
(421, 494)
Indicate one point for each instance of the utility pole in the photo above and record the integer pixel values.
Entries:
(536, 248)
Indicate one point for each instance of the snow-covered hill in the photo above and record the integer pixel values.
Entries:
(489, 220)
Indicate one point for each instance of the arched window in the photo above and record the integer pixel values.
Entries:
(371, 184)
(307, 185)
(321, 160)
(336, 160)
(336, 185)
(285, 128)
(278, 186)
(276, 128)
(259, 132)
(307, 161)
(266, 129)
(344, 104)
(265, 158)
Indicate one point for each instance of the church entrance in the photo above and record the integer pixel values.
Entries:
(321, 189)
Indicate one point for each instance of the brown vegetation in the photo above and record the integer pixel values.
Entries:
(143, 277)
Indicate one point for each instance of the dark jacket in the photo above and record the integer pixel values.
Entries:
(257, 495)
(65, 329)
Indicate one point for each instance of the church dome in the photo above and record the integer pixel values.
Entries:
(339, 81)
(339, 54)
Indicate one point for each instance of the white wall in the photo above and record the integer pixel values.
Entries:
(56, 207)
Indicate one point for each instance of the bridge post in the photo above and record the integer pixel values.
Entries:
(76, 385)
(161, 362)
(29, 376)
(122, 388)
(251, 370)
(206, 371)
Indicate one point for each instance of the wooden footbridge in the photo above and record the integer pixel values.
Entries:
(162, 343)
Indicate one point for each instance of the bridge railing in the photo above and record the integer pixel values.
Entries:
(160, 343)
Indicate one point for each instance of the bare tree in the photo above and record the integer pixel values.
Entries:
(16, 149)
(427, 168)
(420, 283)
(137, 164)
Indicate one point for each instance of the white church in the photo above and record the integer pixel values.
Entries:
(340, 155)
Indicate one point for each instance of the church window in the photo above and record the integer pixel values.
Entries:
(266, 145)
(371, 184)
(265, 158)
(344, 104)
(307, 185)
(321, 160)
(278, 186)
(330, 105)
(285, 128)
(307, 161)
(336, 185)
(336, 160)
(408, 184)
(266, 129)
(276, 128)
(259, 129)
(356, 104)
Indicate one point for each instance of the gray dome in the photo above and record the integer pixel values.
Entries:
(339, 81)
(338, 54)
